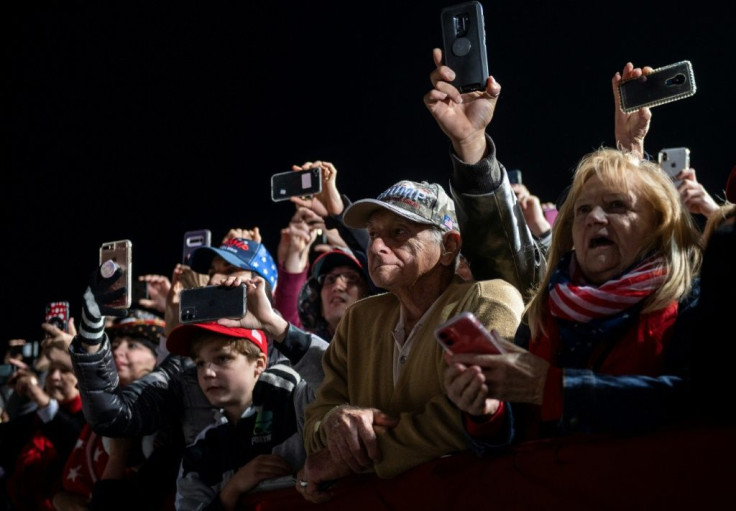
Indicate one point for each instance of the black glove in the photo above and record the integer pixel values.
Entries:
(94, 306)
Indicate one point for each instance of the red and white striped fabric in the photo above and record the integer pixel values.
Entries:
(582, 303)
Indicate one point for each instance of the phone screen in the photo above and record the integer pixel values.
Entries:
(514, 177)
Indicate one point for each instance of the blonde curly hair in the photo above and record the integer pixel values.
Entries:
(674, 235)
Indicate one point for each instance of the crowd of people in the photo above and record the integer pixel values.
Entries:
(334, 369)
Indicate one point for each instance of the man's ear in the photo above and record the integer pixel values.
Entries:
(451, 244)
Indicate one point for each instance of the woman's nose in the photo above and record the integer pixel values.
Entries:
(596, 215)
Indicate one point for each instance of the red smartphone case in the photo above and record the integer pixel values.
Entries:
(57, 313)
(465, 334)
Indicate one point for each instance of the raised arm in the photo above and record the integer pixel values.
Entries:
(632, 128)
(497, 241)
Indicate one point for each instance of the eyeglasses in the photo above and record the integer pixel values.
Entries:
(351, 278)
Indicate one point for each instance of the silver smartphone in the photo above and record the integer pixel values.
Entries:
(674, 159)
(120, 252)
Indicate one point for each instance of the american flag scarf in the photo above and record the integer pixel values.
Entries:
(570, 298)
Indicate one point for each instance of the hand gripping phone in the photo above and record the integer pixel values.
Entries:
(296, 183)
(464, 45)
(193, 240)
(120, 253)
(463, 333)
(211, 303)
(663, 85)
(57, 314)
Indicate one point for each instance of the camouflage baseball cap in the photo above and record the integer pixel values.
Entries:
(424, 203)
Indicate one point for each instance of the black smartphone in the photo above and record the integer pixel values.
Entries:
(674, 159)
(57, 314)
(515, 177)
(211, 303)
(464, 45)
(296, 183)
(663, 85)
(140, 291)
(193, 240)
(120, 254)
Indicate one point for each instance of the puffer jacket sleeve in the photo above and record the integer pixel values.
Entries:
(140, 408)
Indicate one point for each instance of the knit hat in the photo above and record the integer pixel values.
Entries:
(140, 325)
(425, 203)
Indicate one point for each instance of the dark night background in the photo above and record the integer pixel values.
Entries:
(142, 120)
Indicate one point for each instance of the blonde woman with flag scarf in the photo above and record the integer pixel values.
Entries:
(598, 352)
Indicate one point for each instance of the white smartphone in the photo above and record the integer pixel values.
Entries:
(674, 159)
(463, 333)
(120, 252)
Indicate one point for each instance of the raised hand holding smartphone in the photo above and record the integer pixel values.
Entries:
(663, 85)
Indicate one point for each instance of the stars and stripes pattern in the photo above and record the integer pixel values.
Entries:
(583, 303)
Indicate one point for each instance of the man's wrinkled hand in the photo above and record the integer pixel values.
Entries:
(351, 435)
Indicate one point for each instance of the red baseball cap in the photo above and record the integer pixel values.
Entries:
(335, 257)
(180, 339)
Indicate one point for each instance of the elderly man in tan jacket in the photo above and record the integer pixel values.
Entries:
(382, 405)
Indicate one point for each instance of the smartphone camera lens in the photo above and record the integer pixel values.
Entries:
(461, 24)
(678, 79)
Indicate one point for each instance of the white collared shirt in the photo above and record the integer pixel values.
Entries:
(403, 342)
